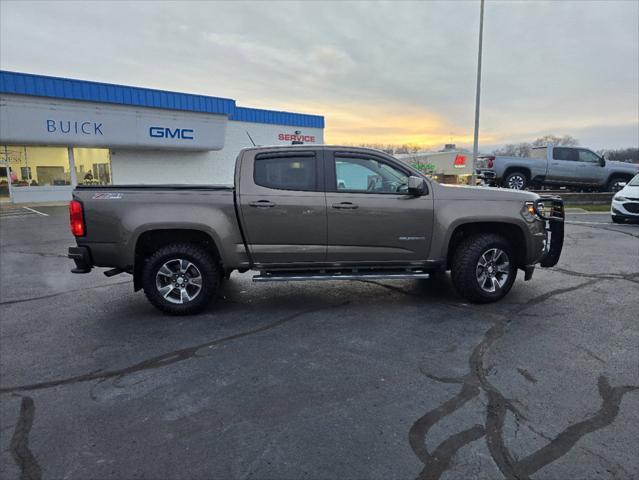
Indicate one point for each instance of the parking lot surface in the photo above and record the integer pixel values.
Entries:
(348, 380)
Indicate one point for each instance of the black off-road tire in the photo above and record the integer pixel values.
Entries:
(464, 267)
(208, 267)
(521, 177)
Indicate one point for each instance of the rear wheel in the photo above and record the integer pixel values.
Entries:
(181, 279)
(516, 181)
(483, 268)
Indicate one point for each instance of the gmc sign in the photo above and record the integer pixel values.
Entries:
(166, 132)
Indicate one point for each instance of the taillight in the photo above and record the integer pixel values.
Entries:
(490, 162)
(76, 216)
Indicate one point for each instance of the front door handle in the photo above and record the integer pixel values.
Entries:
(345, 206)
(262, 204)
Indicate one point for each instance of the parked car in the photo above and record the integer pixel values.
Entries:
(625, 203)
(289, 217)
(572, 167)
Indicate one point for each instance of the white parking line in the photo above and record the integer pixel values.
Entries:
(35, 211)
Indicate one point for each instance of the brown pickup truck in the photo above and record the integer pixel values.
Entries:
(312, 213)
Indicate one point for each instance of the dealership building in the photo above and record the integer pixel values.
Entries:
(56, 133)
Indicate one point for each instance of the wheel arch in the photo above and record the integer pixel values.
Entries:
(624, 175)
(513, 233)
(151, 240)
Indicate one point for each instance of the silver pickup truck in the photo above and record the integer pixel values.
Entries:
(312, 213)
(556, 166)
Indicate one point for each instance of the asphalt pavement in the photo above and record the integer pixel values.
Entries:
(339, 380)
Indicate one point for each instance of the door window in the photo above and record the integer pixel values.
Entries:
(368, 175)
(588, 156)
(560, 153)
(287, 173)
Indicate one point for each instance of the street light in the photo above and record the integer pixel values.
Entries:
(473, 179)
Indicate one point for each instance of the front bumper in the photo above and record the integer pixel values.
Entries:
(553, 214)
(82, 258)
(627, 209)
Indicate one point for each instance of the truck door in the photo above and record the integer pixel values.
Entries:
(371, 218)
(589, 169)
(562, 165)
(283, 206)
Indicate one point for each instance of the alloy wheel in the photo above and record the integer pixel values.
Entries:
(178, 281)
(493, 270)
(516, 182)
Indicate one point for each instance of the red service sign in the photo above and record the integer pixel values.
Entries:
(460, 161)
(293, 137)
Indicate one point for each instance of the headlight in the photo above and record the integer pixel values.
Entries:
(620, 198)
(528, 211)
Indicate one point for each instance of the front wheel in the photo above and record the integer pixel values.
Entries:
(180, 279)
(618, 219)
(614, 185)
(483, 268)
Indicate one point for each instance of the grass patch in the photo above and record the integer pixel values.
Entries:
(590, 207)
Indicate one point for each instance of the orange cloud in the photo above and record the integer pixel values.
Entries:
(387, 124)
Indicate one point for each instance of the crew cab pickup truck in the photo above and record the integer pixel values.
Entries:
(312, 213)
(556, 166)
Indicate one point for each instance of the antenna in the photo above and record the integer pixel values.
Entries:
(249, 135)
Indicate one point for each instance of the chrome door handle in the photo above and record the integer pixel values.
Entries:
(262, 204)
(345, 206)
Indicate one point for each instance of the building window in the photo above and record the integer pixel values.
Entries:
(49, 166)
(92, 166)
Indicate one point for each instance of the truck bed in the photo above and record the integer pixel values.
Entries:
(117, 216)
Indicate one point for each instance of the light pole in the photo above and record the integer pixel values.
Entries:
(473, 178)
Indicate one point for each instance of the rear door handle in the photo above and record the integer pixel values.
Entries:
(262, 204)
(345, 206)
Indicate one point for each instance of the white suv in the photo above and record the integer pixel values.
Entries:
(625, 203)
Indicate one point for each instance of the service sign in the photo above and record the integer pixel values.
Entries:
(30, 120)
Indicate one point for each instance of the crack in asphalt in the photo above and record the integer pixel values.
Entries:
(66, 292)
(498, 406)
(564, 441)
(630, 277)
(160, 361)
(19, 446)
(579, 224)
(39, 254)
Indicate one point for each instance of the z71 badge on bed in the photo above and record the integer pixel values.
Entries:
(107, 196)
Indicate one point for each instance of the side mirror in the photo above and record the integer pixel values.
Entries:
(415, 185)
(602, 161)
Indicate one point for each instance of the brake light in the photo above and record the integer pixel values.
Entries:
(76, 216)
(490, 162)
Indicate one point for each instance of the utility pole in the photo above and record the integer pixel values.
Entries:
(473, 178)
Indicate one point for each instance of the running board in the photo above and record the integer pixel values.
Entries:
(301, 277)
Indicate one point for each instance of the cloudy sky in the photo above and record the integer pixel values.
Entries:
(401, 72)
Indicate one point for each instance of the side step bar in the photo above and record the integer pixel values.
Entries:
(301, 277)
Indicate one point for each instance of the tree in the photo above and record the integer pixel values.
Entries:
(622, 155)
(565, 141)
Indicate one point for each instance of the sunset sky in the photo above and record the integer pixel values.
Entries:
(401, 72)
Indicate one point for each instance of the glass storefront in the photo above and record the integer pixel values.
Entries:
(31, 167)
